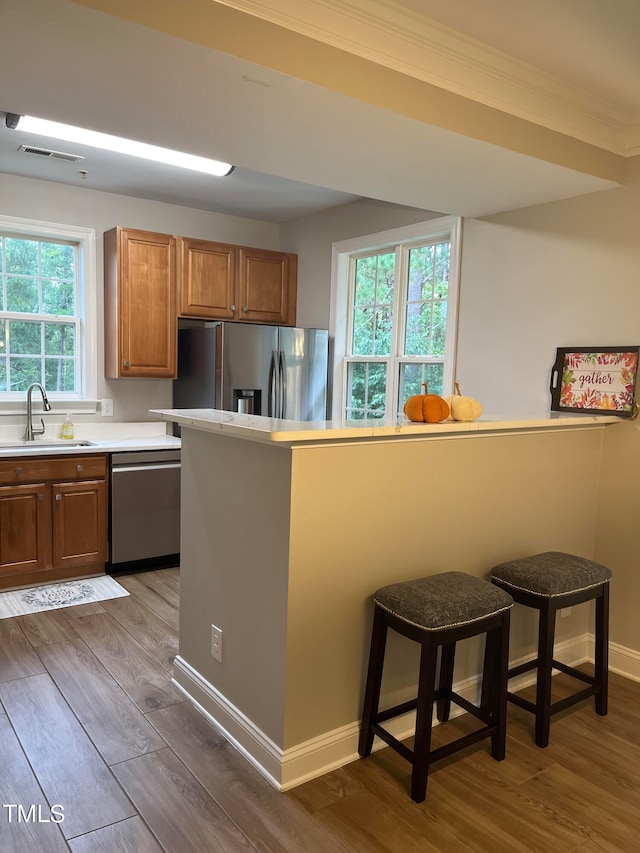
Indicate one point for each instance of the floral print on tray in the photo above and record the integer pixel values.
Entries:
(599, 380)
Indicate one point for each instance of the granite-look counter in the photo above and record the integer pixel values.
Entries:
(258, 428)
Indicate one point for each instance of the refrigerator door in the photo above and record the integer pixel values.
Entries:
(195, 387)
(302, 367)
(248, 378)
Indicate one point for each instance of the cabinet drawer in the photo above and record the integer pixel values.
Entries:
(30, 470)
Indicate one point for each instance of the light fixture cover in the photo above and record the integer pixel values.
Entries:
(117, 144)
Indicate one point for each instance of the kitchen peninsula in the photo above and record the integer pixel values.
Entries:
(288, 528)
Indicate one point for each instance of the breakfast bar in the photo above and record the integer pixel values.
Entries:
(288, 528)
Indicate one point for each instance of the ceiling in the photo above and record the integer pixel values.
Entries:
(300, 147)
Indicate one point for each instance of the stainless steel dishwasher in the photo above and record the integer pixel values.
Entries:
(145, 507)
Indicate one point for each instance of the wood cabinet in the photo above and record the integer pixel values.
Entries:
(218, 281)
(140, 304)
(53, 518)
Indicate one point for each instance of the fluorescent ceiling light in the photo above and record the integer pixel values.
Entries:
(69, 133)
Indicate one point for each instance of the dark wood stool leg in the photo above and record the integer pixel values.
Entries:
(374, 680)
(602, 651)
(498, 667)
(447, 662)
(546, 636)
(424, 715)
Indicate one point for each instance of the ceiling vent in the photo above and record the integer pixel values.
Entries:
(53, 155)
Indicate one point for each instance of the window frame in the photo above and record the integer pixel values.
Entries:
(344, 253)
(85, 399)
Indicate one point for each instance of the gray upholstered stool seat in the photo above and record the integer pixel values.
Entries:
(442, 601)
(436, 612)
(552, 573)
(549, 582)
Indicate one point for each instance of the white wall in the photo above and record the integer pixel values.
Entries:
(311, 239)
(555, 275)
(48, 201)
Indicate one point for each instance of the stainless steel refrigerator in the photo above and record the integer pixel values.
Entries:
(278, 371)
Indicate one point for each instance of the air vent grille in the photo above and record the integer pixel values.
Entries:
(53, 155)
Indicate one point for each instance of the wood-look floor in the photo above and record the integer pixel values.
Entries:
(90, 721)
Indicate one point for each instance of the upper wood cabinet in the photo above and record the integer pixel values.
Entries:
(224, 282)
(207, 279)
(140, 304)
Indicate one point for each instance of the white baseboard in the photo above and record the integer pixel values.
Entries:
(287, 768)
(624, 661)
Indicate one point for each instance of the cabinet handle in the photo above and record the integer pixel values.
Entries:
(125, 364)
(78, 467)
(41, 498)
(232, 307)
(18, 470)
(244, 308)
(58, 497)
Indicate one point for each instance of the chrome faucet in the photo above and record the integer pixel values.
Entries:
(46, 405)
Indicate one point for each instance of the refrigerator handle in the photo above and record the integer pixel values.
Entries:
(273, 388)
(283, 384)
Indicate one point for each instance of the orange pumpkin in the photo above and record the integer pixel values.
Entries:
(429, 408)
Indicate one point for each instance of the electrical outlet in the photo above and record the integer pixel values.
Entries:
(106, 408)
(216, 643)
(566, 611)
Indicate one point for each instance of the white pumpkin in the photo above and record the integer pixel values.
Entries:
(463, 408)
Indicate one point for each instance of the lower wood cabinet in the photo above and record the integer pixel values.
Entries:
(53, 518)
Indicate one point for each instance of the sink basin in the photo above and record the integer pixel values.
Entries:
(37, 445)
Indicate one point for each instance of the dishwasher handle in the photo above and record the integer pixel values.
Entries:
(160, 466)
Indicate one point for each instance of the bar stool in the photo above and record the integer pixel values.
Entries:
(549, 582)
(436, 612)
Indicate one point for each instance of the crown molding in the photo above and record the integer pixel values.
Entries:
(395, 37)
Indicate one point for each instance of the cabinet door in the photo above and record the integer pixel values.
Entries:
(146, 324)
(79, 523)
(207, 276)
(267, 287)
(24, 529)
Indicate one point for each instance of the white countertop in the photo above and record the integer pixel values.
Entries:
(100, 438)
(258, 428)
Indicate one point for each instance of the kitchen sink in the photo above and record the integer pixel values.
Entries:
(37, 445)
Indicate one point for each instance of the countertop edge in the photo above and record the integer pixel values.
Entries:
(283, 432)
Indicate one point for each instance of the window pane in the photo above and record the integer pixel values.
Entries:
(382, 342)
(362, 343)
(3, 374)
(59, 374)
(58, 297)
(24, 337)
(418, 329)
(366, 390)
(365, 290)
(56, 261)
(22, 295)
(24, 371)
(427, 290)
(421, 263)
(59, 339)
(413, 375)
(21, 256)
(373, 302)
(439, 329)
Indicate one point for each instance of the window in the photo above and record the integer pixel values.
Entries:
(394, 317)
(47, 311)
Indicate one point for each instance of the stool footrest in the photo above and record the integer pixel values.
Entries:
(523, 667)
(393, 742)
(573, 672)
(442, 751)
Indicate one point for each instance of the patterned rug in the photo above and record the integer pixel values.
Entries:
(52, 596)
